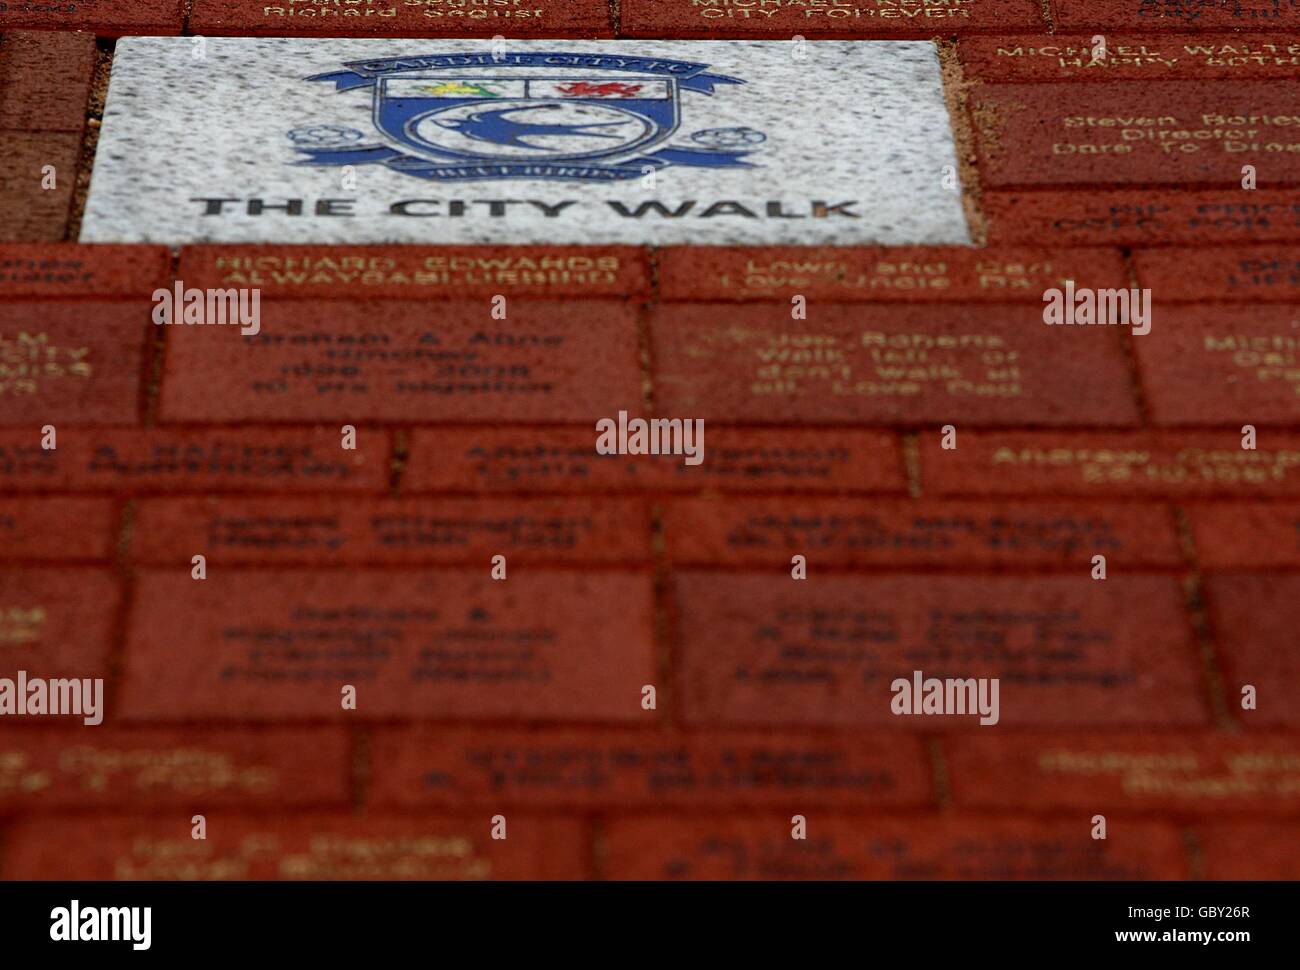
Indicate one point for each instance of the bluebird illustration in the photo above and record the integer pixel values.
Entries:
(499, 128)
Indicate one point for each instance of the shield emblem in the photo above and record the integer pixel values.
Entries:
(514, 119)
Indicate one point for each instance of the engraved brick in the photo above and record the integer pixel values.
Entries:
(170, 769)
(359, 361)
(455, 768)
(1251, 616)
(303, 847)
(1131, 57)
(1177, 133)
(1178, 14)
(517, 460)
(1119, 217)
(434, 645)
(45, 80)
(243, 459)
(71, 270)
(1250, 851)
(1066, 650)
(1241, 273)
(1114, 465)
(1246, 535)
(901, 274)
(103, 17)
(420, 272)
(861, 532)
(710, 19)
(848, 847)
(56, 622)
(33, 213)
(320, 531)
(402, 18)
(73, 363)
(1208, 365)
(1189, 774)
(37, 529)
(900, 365)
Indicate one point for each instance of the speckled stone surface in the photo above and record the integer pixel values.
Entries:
(833, 143)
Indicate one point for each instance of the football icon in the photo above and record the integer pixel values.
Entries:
(728, 137)
(319, 136)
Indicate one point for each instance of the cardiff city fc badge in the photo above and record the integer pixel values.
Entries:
(527, 115)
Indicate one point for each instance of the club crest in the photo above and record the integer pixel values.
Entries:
(548, 116)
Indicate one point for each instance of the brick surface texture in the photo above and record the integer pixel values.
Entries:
(642, 684)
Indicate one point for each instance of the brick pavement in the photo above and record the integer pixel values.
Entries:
(526, 696)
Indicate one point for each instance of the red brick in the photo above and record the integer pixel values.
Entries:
(1190, 774)
(1220, 365)
(32, 213)
(1024, 133)
(56, 528)
(1239, 273)
(1253, 617)
(711, 19)
(432, 645)
(1250, 851)
(318, 361)
(103, 17)
(1115, 465)
(482, 460)
(1067, 650)
(866, 847)
(455, 768)
(338, 530)
(902, 274)
(1246, 535)
(167, 769)
(298, 847)
(1177, 14)
(863, 532)
(56, 622)
(74, 363)
(144, 460)
(873, 365)
(70, 270)
(1141, 217)
(420, 272)
(403, 18)
(1130, 57)
(45, 80)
